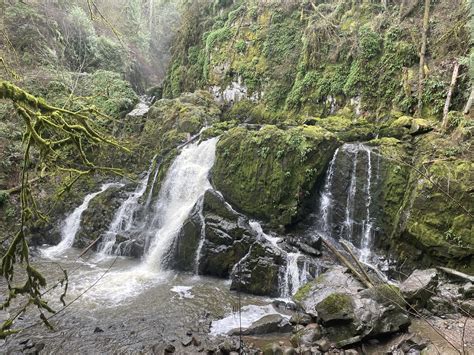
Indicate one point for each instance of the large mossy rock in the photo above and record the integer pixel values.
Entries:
(171, 122)
(350, 313)
(268, 173)
(435, 223)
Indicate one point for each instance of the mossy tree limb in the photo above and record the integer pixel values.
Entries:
(62, 138)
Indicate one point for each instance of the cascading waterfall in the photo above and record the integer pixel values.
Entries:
(348, 223)
(326, 196)
(185, 182)
(202, 236)
(293, 276)
(347, 201)
(125, 216)
(72, 224)
(366, 241)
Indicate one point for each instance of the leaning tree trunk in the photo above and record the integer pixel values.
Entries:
(450, 94)
(421, 73)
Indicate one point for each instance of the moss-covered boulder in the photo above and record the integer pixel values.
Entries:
(269, 173)
(348, 311)
(172, 122)
(435, 224)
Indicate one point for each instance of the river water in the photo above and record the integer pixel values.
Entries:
(130, 311)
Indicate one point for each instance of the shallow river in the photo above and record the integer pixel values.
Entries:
(130, 310)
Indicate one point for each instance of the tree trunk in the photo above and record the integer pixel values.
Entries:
(450, 94)
(469, 102)
(421, 73)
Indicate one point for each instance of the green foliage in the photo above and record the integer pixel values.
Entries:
(108, 92)
(369, 42)
(3, 198)
(240, 46)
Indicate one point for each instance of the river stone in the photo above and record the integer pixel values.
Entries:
(271, 323)
(419, 286)
(335, 280)
(272, 349)
(349, 312)
(301, 318)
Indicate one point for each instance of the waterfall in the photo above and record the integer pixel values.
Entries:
(348, 223)
(185, 182)
(346, 204)
(72, 224)
(366, 241)
(326, 196)
(123, 219)
(202, 236)
(152, 186)
(293, 276)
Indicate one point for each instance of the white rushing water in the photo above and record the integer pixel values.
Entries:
(185, 182)
(348, 223)
(72, 224)
(202, 237)
(326, 197)
(123, 219)
(293, 275)
(248, 315)
(366, 242)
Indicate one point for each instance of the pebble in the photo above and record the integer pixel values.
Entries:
(170, 349)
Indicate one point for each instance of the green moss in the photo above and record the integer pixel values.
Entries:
(269, 173)
(171, 122)
(335, 306)
(303, 292)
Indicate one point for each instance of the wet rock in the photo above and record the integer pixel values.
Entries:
(315, 350)
(289, 351)
(349, 312)
(301, 318)
(419, 286)
(273, 349)
(307, 336)
(98, 330)
(227, 346)
(272, 323)
(169, 349)
(284, 305)
(411, 344)
(335, 280)
(323, 345)
(467, 290)
(228, 237)
(351, 352)
(39, 346)
(183, 251)
(186, 342)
